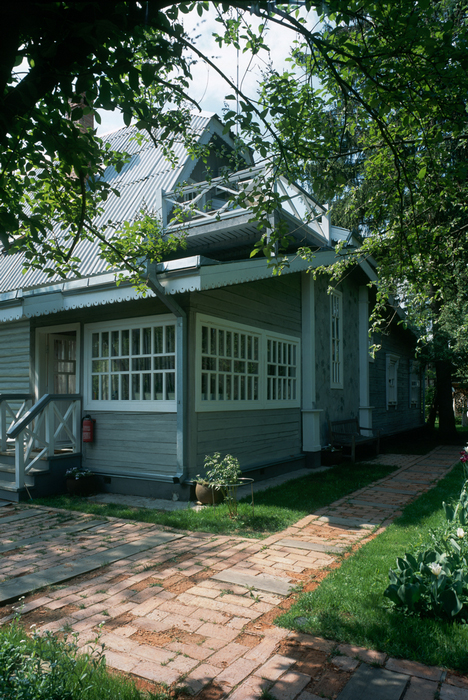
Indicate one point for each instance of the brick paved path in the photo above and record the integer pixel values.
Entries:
(197, 609)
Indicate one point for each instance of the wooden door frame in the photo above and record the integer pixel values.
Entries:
(40, 365)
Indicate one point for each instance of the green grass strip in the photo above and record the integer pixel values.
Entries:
(349, 606)
(276, 508)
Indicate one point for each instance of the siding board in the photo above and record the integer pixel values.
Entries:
(133, 442)
(252, 436)
(14, 357)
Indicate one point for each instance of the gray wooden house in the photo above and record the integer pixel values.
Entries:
(221, 355)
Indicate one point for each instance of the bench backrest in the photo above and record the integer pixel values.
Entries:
(345, 427)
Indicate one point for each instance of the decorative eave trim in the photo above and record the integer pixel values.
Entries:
(101, 289)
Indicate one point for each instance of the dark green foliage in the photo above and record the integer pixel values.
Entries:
(45, 667)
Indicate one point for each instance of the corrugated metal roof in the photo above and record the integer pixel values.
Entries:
(139, 181)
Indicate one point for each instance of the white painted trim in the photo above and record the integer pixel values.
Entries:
(128, 406)
(364, 348)
(246, 404)
(311, 430)
(40, 360)
(308, 341)
(338, 295)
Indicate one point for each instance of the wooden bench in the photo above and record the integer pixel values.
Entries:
(348, 433)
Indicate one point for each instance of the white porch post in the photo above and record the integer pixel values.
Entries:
(3, 428)
(310, 414)
(365, 411)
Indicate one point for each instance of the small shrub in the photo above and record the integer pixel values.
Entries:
(223, 475)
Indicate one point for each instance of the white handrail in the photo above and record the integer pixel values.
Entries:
(37, 435)
(10, 415)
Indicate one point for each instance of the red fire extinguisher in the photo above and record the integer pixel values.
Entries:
(88, 429)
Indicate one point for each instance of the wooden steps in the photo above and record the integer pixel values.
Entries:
(48, 479)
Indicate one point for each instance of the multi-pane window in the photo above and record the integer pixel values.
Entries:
(392, 380)
(134, 363)
(230, 365)
(281, 370)
(336, 333)
(239, 366)
(415, 384)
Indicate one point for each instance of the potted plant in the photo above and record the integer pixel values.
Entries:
(220, 481)
(331, 456)
(80, 482)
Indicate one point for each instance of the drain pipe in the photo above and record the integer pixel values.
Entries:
(181, 365)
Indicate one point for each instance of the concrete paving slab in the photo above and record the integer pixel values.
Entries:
(404, 492)
(312, 546)
(349, 522)
(373, 504)
(51, 534)
(375, 683)
(20, 516)
(261, 582)
(23, 585)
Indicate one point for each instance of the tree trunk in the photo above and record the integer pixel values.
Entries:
(433, 412)
(447, 428)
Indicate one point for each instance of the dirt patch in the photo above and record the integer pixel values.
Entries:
(211, 692)
(161, 639)
(179, 586)
(120, 621)
(267, 619)
(309, 661)
(249, 640)
(330, 683)
(202, 575)
(315, 579)
(42, 616)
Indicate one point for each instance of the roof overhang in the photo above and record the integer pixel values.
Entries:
(192, 274)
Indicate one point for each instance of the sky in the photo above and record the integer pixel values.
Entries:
(208, 88)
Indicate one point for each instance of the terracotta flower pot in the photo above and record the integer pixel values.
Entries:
(208, 495)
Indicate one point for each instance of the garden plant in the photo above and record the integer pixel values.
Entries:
(434, 579)
(223, 475)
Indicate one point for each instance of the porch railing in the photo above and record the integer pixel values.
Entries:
(54, 421)
(12, 408)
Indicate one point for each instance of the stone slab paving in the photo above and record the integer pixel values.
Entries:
(197, 609)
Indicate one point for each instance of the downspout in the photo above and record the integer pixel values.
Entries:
(181, 365)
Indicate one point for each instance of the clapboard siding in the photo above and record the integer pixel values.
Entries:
(252, 436)
(133, 442)
(402, 416)
(342, 403)
(14, 357)
(270, 304)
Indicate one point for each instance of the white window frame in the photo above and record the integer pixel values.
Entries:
(282, 367)
(414, 384)
(336, 340)
(391, 380)
(150, 405)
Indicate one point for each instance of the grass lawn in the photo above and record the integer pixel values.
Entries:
(349, 606)
(275, 509)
